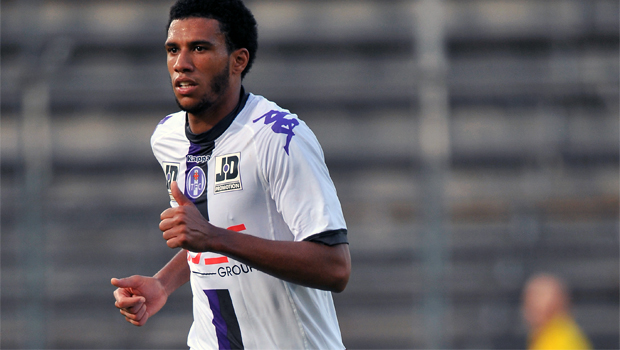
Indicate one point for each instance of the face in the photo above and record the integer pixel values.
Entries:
(198, 63)
(543, 298)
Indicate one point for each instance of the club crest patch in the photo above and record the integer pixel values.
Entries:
(195, 183)
(227, 174)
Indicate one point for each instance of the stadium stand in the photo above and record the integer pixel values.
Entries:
(532, 183)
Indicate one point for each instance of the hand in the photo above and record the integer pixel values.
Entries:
(139, 297)
(184, 226)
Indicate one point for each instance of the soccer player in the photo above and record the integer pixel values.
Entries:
(263, 238)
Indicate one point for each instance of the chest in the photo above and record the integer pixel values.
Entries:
(222, 178)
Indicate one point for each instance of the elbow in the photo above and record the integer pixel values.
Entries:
(342, 269)
(339, 286)
(340, 278)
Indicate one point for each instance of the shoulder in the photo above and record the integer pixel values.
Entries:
(173, 120)
(171, 124)
(274, 125)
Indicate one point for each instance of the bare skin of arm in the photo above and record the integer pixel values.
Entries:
(306, 263)
(139, 297)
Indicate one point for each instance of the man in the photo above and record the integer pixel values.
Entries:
(253, 207)
(547, 313)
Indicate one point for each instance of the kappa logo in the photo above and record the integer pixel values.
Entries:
(227, 175)
(195, 183)
(197, 159)
(280, 125)
(172, 171)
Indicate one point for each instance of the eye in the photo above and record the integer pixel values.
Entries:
(172, 50)
(200, 48)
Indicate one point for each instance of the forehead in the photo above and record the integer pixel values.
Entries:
(194, 29)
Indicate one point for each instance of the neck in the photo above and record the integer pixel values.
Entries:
(205, 121)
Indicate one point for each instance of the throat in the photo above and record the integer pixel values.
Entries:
(199, 125)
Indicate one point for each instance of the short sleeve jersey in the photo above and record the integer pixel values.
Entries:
(259, 171)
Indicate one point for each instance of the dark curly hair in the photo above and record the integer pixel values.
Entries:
(236, 22)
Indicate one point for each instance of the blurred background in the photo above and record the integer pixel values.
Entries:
(473, 143)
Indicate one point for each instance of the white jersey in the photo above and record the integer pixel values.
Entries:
(259, 171)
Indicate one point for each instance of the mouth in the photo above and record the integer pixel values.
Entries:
(185, 87)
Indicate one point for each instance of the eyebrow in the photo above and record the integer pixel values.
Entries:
(193, 43)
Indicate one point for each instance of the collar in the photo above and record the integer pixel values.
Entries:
(219, 128)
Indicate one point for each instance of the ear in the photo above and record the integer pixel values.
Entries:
(239, 60)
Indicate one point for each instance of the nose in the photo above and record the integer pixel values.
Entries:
(183, 62)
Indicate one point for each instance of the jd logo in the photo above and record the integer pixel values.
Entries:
(229, 167)
(227, 176)
(172, 171)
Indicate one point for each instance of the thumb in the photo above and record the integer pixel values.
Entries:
(129, 282)
(178, 196)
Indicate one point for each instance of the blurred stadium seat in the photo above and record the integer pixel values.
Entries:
(533, 181)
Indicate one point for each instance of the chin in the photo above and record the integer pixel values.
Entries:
(194, 107)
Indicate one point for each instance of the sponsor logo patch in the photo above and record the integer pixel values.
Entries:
(227, 175)
(172, 171)
(218, 265)
(195, 183)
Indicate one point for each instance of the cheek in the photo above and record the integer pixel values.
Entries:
(170, 64)
(211, 64)
(204, 66)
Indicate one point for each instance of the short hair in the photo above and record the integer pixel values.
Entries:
(236, 22)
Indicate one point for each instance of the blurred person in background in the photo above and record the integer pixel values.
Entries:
(252, 203)
(546, 310)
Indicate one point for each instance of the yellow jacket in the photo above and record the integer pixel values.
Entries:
(561, 333)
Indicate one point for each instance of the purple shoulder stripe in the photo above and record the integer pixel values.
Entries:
(164, 120)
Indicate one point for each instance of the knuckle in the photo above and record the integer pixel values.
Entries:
(180, 219)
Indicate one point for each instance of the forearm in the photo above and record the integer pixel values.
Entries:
(175, 273)
(305, 263)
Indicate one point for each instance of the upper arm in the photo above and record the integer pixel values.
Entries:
(299, 183)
